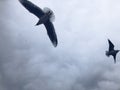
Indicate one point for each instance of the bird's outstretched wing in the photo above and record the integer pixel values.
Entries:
(111, 46)
(51, 32)
(32, 8)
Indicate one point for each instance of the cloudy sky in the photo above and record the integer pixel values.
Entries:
(28, 60)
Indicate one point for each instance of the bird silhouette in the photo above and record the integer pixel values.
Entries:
(45, 17)
(111, 51)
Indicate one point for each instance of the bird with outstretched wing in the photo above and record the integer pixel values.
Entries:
(44, 18)
(111, 50)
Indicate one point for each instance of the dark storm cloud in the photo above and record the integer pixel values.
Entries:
(28, 61)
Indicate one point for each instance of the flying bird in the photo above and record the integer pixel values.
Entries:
(111, 51)
(45, 17)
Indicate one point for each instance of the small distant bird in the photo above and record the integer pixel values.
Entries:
(112, 51)
(45, 17)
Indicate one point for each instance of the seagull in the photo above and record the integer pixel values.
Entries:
(111, 51)
(45, 17)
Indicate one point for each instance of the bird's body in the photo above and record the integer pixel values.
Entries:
(108, 53)
(111, 51)
(44, 18)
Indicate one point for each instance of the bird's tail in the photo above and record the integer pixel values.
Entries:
(52, 16)
(38, 23)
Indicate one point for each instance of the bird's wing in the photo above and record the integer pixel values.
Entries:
(114, 56)
(51, 32)
(111, 46)
(32, 8)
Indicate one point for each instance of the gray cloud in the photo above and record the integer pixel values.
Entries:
(28, 61)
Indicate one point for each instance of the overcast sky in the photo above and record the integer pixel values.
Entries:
(28, 60)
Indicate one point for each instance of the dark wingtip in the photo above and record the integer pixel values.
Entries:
(36, 24)
(108, 39)
(114, 61)
(55, 43)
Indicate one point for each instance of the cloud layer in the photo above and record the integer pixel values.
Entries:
(28, 61)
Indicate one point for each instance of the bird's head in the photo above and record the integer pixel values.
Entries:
(107, 53)
(50, 13)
